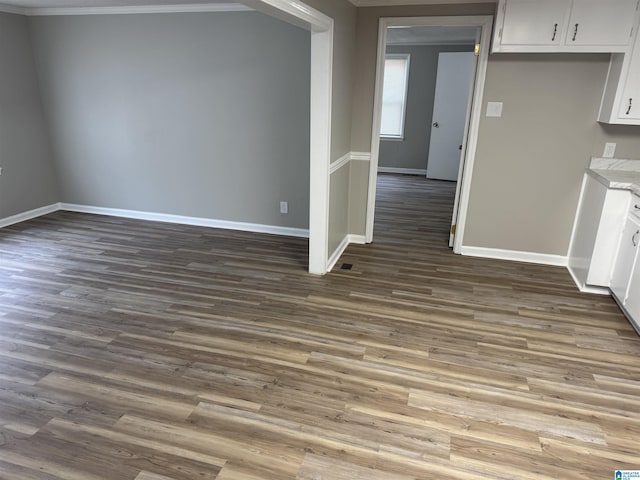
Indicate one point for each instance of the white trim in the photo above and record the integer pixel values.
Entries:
(24, 216)
(185, 220)
(136, 9)
(320, 148)
(337, 253)
(357, 239)
(341, 162)
(348, 157)
(346, 241)
(403, 171)
(12, 9)
(155, 217)
(588, 288)
(485, 22)
(394, 3)
(515, 256)
(361, 156)
(575, 216)
(295, 8)
(464, 43)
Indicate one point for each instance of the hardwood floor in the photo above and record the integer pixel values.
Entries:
(150, 351)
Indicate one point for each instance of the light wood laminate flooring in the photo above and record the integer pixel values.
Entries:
(150, 351)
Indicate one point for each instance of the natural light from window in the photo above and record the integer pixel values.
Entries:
(394, 95)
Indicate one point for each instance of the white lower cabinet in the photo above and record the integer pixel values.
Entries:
(626, 260)
(625, 282)
(632, 303)
(596, 235)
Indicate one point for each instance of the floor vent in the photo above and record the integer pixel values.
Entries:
(346, 266)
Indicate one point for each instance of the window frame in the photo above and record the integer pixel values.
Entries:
(407, 58)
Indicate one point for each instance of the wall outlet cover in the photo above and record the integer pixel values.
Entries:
(609, 150)
(494, 109)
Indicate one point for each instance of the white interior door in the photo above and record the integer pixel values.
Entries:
(453, 89)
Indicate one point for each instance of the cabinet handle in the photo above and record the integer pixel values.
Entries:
(629, 108)
(555, 32)
(575, 33)
(634, 239)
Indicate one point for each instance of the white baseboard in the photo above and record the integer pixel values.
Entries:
(403, 171)
(184, 220)
(357, 239)
(24, 216)
(584, 288)
(337, 253)
(516, 256)
(346, 241)
(155, 217)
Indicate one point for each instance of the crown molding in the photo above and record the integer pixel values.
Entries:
(12, 9)
(398, 3)
(48, 11)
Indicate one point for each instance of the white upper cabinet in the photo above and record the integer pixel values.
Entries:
(533, 22)
(621, 99)
(601, 22)
(564, 25)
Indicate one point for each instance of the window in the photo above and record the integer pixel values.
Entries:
(394, 95)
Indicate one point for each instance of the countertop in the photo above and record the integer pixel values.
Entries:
(616, 173)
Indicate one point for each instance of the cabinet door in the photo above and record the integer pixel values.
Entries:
(594, 22)
(534, 22)
(626, 258)
(630, 102)
(632, 303)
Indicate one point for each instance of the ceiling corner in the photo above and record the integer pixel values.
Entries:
(12, 9)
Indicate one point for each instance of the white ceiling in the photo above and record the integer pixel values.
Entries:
(431, 35)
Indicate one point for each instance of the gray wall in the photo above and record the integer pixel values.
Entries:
(203, 114)
(413, 151)
(530, 162)
(344, 43)
(28, 180)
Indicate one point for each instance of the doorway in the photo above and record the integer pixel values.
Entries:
(453, 150)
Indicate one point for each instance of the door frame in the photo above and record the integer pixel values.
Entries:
(302, 15)
(484, 22)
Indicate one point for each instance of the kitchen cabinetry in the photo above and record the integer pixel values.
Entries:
(627, 254)
(621, 99)
(625, 281)
(596, 235)
(564, 25)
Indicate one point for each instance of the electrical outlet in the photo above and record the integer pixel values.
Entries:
(609, 150)
(284, 207)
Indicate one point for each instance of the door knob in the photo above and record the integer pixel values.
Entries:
(436, 124)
